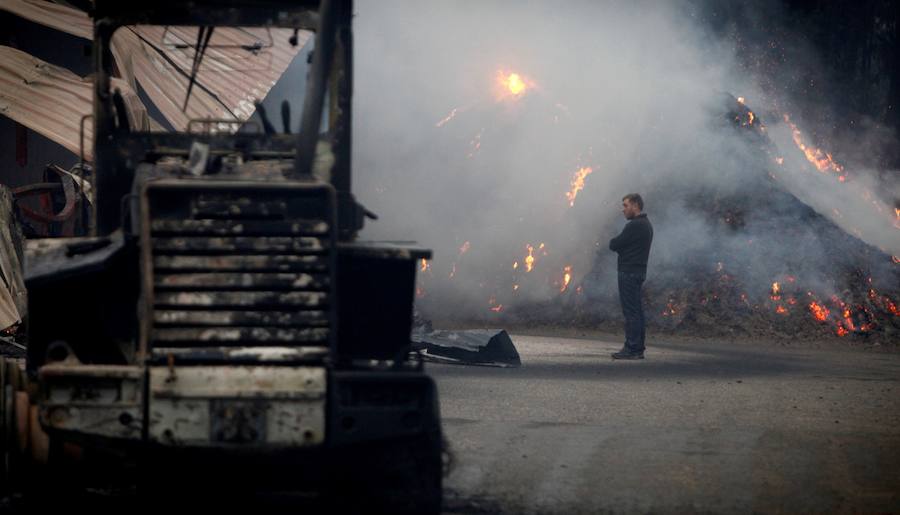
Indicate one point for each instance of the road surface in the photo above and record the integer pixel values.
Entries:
(696, 427)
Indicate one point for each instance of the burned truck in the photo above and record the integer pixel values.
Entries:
(224, 316)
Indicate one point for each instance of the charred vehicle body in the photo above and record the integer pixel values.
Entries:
(224, 311)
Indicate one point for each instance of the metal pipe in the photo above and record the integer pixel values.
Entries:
(313, 102)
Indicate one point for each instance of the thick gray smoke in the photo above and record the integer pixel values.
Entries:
(634, 90)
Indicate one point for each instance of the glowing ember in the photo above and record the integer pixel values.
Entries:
(781, 310)
(821, 160)
(841, 331)
(567, 277)
(819, 311)
(423, 266)
(578, 183)
(475, 144)
(671, 309)
(447, 118)
(889, 304)
(750, 117)
(776, 289)
(529, 259)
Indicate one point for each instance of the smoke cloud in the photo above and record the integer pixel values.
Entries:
(636, 91)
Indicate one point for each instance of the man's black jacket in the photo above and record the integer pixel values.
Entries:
(633, 245)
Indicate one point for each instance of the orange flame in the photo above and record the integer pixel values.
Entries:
(781, 310)
(567, 277)
(821, 160)
(577, 183)
(841, 331)
(671, 309)
(515, 265)
(529, 259)
(889, 304)
(819, 311)
(423, 265)
(511, 85)
(776, 289)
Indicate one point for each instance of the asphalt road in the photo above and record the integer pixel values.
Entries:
(695, 427)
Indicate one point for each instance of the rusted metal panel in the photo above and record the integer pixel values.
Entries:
(194, 335)
(238, 244)
(221, 382)
(240, 318)
(243, 354)
(219, 206)
(206, 227)
(100, 400)
(296, 299)
(240, 67)
(13, 297)
(234, 281)
(53, 15)
(260, 405)
(277, 263)
(51, 100)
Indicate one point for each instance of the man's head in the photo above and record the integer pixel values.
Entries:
(632, 205)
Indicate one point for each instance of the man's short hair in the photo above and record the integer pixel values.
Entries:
(635, 198)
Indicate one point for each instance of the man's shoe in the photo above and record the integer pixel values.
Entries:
(624, 354)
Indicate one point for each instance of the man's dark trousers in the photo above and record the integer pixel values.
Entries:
(630, 284)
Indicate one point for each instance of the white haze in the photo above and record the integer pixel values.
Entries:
(633, 89)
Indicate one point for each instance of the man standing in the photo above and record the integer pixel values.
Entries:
(633, 247)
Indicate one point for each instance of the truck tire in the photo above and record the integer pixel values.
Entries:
(396, 477)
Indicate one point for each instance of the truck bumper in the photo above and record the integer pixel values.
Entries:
(241, 408)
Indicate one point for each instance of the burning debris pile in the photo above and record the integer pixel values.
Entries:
(771, 265)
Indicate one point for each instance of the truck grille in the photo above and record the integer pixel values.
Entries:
(248, 266)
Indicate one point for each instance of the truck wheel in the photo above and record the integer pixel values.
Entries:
(399, 477)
